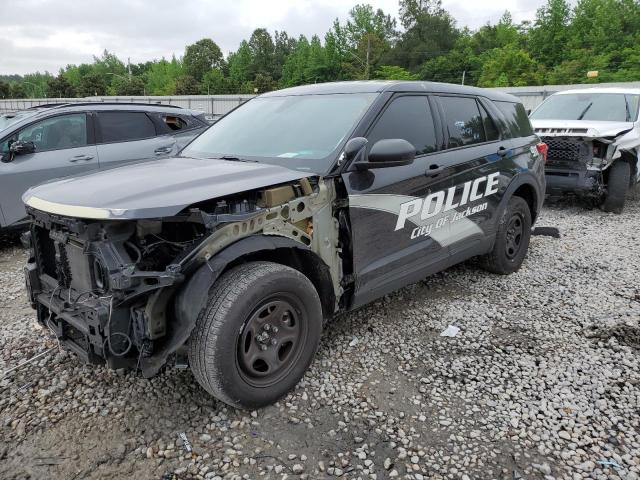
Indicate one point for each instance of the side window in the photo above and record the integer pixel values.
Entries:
(64, 131)
(516, 118)
(408, 118)
(490, 128)
(463, 122)
(125, 126)
(174, 122)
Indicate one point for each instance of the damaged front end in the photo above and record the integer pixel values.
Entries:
(109, 289)
(579, 159)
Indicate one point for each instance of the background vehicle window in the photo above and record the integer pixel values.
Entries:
(125, 126)
(516, 117)
(463, 121)
(64, 131)
(174, 122)
(490, 129)
(408, 118)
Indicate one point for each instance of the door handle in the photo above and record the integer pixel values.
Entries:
(163, 150)
(502, 151)
(79, 158)
(434, 169)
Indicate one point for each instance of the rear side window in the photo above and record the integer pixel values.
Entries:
(516, 118)
(174, 122)
(408, 118)
(125, 126)
(463, 122)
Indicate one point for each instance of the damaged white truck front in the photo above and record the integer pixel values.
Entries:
(593, 137)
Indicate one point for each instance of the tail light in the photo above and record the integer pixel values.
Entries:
(543, 149)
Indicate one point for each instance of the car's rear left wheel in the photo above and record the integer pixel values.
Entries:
(257, 334)
(512, 238)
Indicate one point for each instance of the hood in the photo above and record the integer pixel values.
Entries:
(153, 189)
(579, 128)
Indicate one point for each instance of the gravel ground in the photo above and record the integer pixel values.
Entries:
(543, 381)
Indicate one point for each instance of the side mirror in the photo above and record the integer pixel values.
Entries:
(354, 148)
(391, 152)
(20, 147)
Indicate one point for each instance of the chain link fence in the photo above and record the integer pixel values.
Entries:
(217, 105)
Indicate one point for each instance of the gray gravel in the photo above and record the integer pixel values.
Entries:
(543, 381)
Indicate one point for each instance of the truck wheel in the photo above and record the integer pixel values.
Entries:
(512, 239)
(617, 186)
(257, 334)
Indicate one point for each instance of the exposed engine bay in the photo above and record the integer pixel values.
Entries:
(111, 289)
(578, 161)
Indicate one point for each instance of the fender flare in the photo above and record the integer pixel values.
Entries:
(524, 178)
(192, 296)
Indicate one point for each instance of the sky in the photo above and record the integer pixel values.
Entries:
(46, 35)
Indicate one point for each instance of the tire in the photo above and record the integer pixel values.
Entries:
(617, 186)
(512, 239)
(228, 352)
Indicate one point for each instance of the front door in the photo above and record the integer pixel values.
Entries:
(395, 211)
(62, 149)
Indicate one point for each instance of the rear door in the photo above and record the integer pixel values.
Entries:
(64, 147)
(476, 155)
(183, 127)
(130, 136)
(393, 243)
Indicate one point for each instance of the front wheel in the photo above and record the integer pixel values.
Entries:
(512, 239)
(617, 186)
(257, 334)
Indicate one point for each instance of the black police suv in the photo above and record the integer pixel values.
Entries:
(297, 205)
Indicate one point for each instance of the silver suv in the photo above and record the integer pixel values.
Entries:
(71, 139)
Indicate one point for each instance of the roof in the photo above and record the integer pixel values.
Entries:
(628, 90)
(379, 86)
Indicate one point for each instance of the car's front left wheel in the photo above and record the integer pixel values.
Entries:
(257, 334)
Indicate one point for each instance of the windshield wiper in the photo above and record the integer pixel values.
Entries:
(231, 158)
(584, 112)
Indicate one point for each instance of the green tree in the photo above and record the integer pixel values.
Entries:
(16, 90)
(429, 32)
(92, 85)
(294, 69)
(187, 85)
(510, 66)
(282, 48)
(239, 67)
(5, 89)
(161, 77)
(549, 35)
(60, 87)
(393, 72)
(128, 85)
(201, 57)
(262, 52)
(214, 83)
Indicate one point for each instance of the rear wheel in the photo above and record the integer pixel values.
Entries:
(617, 186)
(512, 239)
(257, 334)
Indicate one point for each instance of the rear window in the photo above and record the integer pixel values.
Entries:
(516, 117)
(463, 121)
(125, 126)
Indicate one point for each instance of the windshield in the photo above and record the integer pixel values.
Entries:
(8, 119)
(603, 107)
(300, 132)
